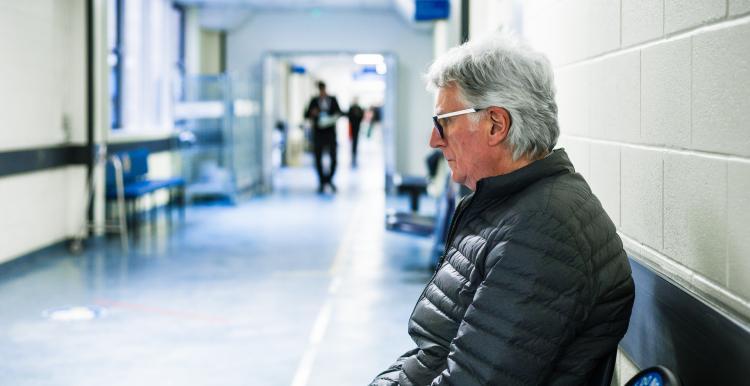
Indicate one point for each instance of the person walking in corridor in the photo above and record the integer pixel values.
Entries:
(323, 111)
(533, 287)
(355, 115)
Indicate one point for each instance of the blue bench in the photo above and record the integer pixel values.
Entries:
(137, 185)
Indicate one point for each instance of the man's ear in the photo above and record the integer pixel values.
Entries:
(500, 119)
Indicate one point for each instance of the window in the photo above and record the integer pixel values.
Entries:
(114, 25)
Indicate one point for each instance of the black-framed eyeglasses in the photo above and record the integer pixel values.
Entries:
(437, 118)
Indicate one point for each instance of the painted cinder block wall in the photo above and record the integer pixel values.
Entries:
(654, 97)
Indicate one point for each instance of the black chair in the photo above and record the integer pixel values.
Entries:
(416, 186)
(418, 224)
(655, 376)
(428, 226)
(602, 375)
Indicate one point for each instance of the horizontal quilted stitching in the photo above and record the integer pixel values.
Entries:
(534, 286)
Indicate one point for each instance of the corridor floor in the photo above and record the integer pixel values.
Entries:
(288, 289)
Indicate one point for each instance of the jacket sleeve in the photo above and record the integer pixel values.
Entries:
(335, 109)
(389, 377)
(313, 104)
(524, 311)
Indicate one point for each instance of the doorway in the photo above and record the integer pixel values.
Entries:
(289, 82)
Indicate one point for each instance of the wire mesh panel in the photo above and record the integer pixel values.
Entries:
(247, 144)
(218, 119)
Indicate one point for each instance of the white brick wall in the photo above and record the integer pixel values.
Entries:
(573, 88)
(682, 14)
(738, 229)
(604, 158)
(579, 152)
(665, 117)
(665, 94)
(615, 101)
(603, 34)
(721, 90)
(642, 195)
(642, 20)
(695, 213)
(738, 7)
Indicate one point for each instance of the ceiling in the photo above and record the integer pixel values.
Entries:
(229, 14)
(294, 4)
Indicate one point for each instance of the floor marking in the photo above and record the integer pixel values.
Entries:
(302, 375)
(335, 285)
(174, 313)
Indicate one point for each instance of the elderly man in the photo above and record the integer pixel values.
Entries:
(534, 287)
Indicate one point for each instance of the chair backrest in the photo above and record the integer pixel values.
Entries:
(655, 376)
(602, 374)
(445, 208)
(134, 166)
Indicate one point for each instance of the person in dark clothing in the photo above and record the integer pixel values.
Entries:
(323, 111)
(355, 115)
(533, 287)
(375, 117)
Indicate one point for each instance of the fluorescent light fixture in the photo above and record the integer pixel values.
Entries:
(368, 59)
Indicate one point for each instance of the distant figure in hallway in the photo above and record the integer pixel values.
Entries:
(355, 115)
(533, 287)
(375, 117)
(323, 111)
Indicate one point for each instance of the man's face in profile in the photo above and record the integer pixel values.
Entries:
(461, 144)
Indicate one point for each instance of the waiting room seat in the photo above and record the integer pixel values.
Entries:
(602, 375)
(652, 376)
(416, 186)
(428, 226)
(137, 185)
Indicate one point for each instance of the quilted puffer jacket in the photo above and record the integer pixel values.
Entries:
(534, 287)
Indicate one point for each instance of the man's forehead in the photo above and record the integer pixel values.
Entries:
(446, 99)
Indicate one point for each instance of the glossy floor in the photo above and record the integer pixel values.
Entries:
(293, 288)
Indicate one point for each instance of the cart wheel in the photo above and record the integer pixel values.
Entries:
(76, 246)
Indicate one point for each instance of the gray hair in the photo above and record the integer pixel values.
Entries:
(500, 70)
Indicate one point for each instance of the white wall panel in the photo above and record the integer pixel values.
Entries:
(33, 207)
(573, 88)
(738, 7)
(695, 213)
(603, 33)
(738, 228)
(642, 20)
(642, 195)
(615, 105)
(579, 153)
(604, 178)
(721, 90)
(665, 94)
(684, 14)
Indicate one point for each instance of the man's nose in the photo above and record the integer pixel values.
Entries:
(435, 140)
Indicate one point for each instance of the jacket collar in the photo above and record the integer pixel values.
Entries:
(506, 185)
